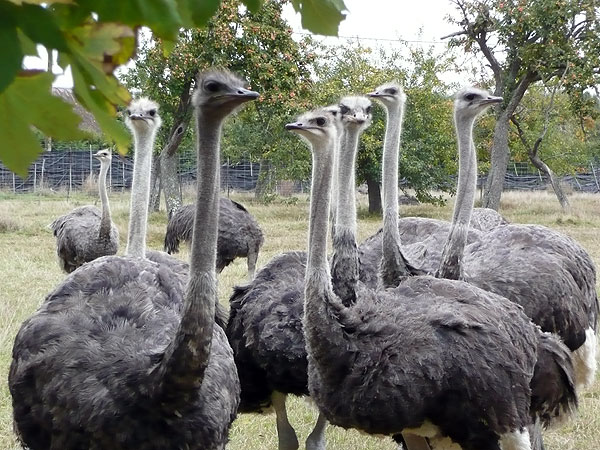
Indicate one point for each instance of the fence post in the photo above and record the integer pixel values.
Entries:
(34, 177)
(14, 184)
(595, 178)
(70, 175)
(42, 174)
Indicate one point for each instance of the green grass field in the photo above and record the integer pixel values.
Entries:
(30, 271)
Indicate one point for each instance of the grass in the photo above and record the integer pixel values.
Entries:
(29, 272)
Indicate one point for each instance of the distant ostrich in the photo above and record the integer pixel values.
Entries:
(239, 233)
(427, 356)
(122, 354)
(87, 233)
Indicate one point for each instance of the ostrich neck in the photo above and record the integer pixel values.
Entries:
(105, 223)
(323, 310)
(451, 263)
(344, 262)
(334, 182)
(393, 264)
(188, 354)
(140, 194)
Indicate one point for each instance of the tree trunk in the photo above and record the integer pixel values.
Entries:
(169, 181)
(263, 184)
(374, 192)
(554, 181)
(155, 190)
(499, 160)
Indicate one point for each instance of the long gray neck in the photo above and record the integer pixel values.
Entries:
(140, 194)
(187, 356)
(105, 222)
(344, 262)
(451, 263)
(334, 182)
(393, 265)
(323, 310)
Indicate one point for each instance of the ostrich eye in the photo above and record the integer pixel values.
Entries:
(344, 109)
(368, 110)
(320, 121)
(391, 91)
(152, 112)
(212, 86)
(470, 97)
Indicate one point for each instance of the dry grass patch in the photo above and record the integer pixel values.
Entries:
(29, 272)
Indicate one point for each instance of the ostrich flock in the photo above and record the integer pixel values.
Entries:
(473, 334)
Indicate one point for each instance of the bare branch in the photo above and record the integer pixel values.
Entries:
(456, 33)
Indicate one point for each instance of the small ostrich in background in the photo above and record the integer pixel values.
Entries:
(122, 354)
(428, 353)
(87, 233)
(240, 235)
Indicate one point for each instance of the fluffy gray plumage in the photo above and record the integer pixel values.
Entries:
(486, 219)
(429, 351)
(122, 354)
(87, 233)
(265, 332)
(83, 366)
(240, 236)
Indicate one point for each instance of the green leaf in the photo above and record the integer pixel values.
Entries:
(10, 50)
(28, 102)
(103, 110)
(27, 45)
(202, 10)
(321, 16)
(162, 16)
(38, 23)
(253, 5)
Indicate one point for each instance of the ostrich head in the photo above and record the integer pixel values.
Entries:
(355, 112)
(390, 94)
(470, 102)
(221, 92)
(317, 127)
(104, 155)
(142, 116)
(335, 111)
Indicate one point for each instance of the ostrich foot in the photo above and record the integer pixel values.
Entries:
(316, 439)
(285, 432)
(414, 442)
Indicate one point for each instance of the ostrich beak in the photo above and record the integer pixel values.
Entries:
(243, 95)
(294, 126)
(491, 100)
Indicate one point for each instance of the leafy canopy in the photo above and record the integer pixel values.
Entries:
(94, 37)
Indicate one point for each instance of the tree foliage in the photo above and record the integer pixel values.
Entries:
(524, 42)
(256, 45)
(94, 37)
(428, 149)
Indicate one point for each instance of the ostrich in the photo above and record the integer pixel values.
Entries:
(486, 219)
(86, 233)
(239, 233)
(265, 321)
(122, 354)
(427, 356)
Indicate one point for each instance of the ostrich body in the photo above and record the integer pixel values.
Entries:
(123, 355)
(428, 353)
(240, 235)
(486, 219)
(87, 233)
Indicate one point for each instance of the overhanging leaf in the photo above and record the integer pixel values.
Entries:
(202, 10)
(321, 16)
(253, 5)
(103, 110)
(28, 102)
(10, 50)
(39, 24)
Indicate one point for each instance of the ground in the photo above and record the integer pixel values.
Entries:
(29, 271)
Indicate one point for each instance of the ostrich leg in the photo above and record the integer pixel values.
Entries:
(285, 432)
(316, 438)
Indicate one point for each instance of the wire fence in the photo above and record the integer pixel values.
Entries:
(76, 170)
